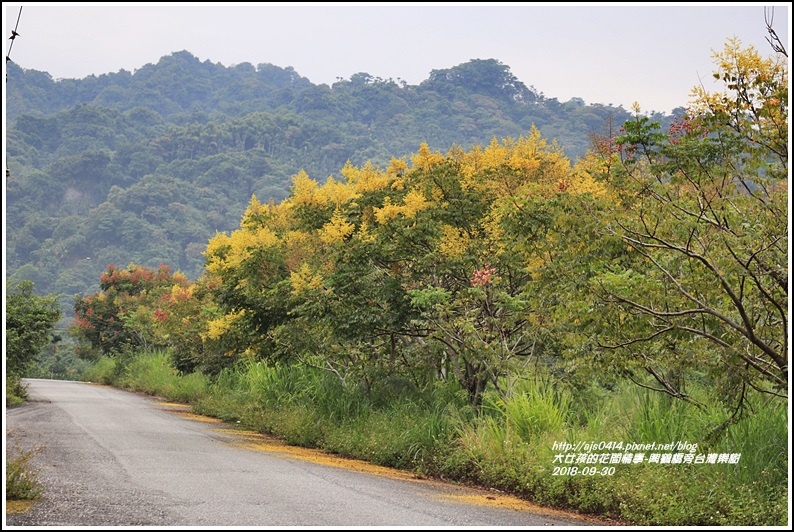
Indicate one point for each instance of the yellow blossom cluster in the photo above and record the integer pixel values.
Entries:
(364, 232)
(304, 191)
(181, 293)
(387, 213)
(453, 242)
(413, 202)
(253, 213)
(219, 326)
(336, 193)
(397, 167)
(226, 252)
(526, 166)
(261, 237)
(424, 160)
(585, 184)
(305, 279)
(337, 229)
(366, 179)
(216, 253)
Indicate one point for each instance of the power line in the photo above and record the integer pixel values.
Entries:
(14, 35)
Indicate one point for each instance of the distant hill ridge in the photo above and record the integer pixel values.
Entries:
(145, 167)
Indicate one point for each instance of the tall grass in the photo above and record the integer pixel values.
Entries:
(106, 370)
(534, 408)
(761, 438)
(151, 373)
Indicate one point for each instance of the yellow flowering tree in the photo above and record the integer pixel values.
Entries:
(700, 285)
(422, 269)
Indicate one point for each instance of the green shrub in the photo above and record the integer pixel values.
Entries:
(16, 392)
(106, 370)
(22, 483)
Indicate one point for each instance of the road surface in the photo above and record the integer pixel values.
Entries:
(113, 458)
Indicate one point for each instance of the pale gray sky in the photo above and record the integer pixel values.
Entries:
(604, 53)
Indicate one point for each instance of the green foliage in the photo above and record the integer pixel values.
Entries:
(140, 175)
(534, 408)
(482, 76)
(455, 313)
(153, 374)
(761, 439)
(490, 452)
(16, 391)
(703, 285)
(59, 361)
(30, 320)
(22, 481)
(508, 445)
(105, 370)
(660, 418)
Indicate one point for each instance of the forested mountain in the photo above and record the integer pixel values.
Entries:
(146, 167)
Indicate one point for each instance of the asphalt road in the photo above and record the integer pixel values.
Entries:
(113, 458)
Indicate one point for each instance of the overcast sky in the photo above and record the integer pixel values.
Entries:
(604, 53)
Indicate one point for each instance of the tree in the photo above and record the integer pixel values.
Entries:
(30, 320)
(484, 76)
(413, 272)
(105, 322)
(703, 284)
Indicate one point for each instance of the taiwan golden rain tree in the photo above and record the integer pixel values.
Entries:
(702, 288)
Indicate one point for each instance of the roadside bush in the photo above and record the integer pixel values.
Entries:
(22, 482)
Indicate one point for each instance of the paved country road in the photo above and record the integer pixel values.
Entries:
(113, 458)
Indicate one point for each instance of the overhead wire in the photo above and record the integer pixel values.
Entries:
(14, 35)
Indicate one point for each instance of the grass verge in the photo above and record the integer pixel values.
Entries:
(513, 443)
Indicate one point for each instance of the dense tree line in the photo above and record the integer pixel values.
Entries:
(30, 321)
(660, 256)
(144, 167)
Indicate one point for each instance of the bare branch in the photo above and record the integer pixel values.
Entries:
(636, 340)
(746, 331)
(773, 39)
(667, 388)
